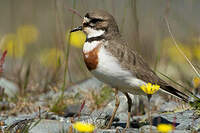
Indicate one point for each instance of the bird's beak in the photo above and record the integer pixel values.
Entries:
(77, 29)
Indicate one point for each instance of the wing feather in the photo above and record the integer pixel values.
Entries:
(135, 63)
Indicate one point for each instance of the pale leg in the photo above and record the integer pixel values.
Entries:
(117, 102)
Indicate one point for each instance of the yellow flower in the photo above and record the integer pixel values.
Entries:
(196, 82)
(27, 34)
(149, 88)
(164, 128)
(84, 127)
(76, 38)
(51, 57)
(13, 45)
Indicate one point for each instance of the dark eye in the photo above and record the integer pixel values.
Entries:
(95, 20)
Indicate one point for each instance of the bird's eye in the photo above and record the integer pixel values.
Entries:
(95, 20)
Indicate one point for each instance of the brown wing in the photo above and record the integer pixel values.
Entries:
(136, 64)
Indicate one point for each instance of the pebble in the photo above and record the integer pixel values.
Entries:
(10, 88)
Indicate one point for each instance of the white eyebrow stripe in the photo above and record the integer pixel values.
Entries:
(86, 20)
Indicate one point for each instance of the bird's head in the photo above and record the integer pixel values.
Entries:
(98, 23)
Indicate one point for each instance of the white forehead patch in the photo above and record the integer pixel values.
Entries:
(89, 46)
(92, 32)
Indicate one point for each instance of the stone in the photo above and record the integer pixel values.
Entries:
(185, 119)
(169, 106)
(158, 120)
(82, 86)
(49, 126)
(10, 88)
(147, 129)
(129, 130)
(71, 110)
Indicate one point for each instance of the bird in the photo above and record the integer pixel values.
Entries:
(109, 58)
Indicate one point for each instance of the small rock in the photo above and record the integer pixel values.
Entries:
(158, 120)
(105, 131)
(12, 120)
(129, 130)
(49, 126)
(82, 86)
(168, 106)
(10, 88)
(196, 125)
(71, 110)
(85, 85)
(147, 128)
(180, 131)
(185, 119)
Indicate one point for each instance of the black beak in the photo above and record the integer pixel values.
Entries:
(76, 29)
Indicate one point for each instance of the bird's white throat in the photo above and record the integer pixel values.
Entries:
(93, 33)
(89, 46)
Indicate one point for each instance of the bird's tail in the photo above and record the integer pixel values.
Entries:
(171, 90)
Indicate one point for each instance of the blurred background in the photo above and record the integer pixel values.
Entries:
(36, 32)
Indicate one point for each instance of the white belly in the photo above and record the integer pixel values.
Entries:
(109, 71)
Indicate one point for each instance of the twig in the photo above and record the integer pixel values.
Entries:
(70, 129)
(81, 108)
(75, 12)
(176, 44)
(2, 60)
(39, 112)
(174, 124)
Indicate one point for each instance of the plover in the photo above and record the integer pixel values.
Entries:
(108, 57)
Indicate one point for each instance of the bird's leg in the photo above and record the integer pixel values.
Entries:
(117, 102)
(129, 101)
